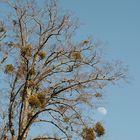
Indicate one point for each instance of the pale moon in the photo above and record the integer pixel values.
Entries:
(102, 110)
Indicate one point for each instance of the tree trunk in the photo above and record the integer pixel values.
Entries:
(13, 137)
(25, 115)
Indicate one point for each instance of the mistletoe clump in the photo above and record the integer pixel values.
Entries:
(42, 99)
(76, 55)
(34, 101)
(9, 69)
(66, 119)
(42, 55)
(88, 134)
(38, 100)
(27, 50)
(99, 129)
(98, 95)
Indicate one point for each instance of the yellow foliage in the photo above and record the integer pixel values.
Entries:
(34, 101)
(66, 119)
(9, 68)
(42, 99)
(31, 83)
(76, 55)
(42, 55)
(98, 95)
(27, 50)
(99, 129)
(22, 71)
(33, 71)
(88, 134)
(39, 100)
(62, 109)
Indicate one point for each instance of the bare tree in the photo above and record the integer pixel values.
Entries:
(47, 77)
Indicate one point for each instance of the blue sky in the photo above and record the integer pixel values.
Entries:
(117, 24)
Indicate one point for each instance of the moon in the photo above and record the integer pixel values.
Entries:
(102, 110)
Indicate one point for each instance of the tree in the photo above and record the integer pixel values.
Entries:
(47, 77)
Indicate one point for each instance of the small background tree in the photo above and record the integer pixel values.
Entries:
(46, 76)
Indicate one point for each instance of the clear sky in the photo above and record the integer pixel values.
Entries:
(117, 24)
